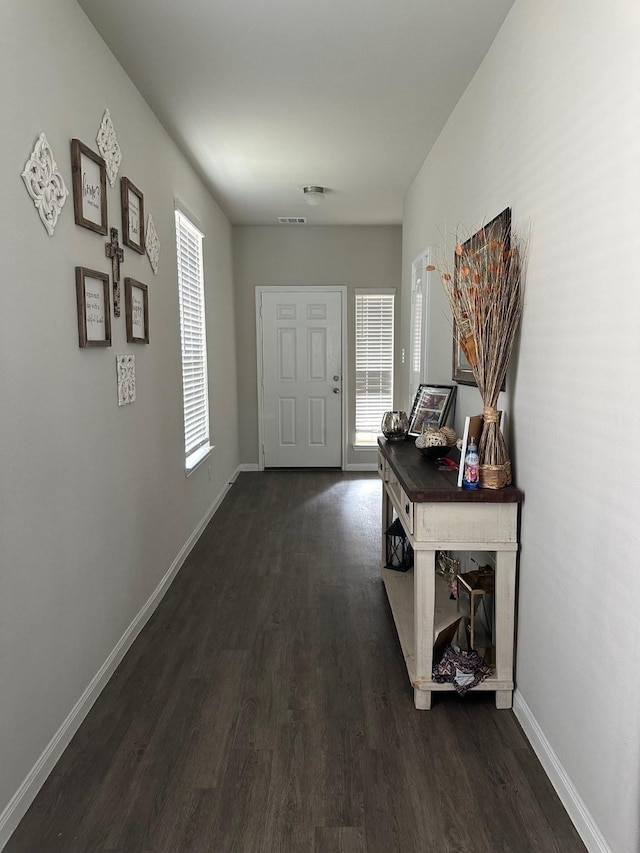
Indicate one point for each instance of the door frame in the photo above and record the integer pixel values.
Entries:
(342, 290)
(419, 265)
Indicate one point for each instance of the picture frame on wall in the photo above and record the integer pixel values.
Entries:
(89, 184)
(496, 228)
(431, 407)
(136, 302)
(94, 308)
(462, 372)
(132, 201)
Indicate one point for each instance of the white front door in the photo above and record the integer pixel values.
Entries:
(301, 367)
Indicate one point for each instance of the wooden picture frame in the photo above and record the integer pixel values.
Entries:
(132, 201)
(89, 181)
(498, 228)
(431, 407)
(136, 306)
(94, 308)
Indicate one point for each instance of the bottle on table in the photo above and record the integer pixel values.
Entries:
(470, 476)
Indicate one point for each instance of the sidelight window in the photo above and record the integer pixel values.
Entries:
(195, 386)
(374, 361)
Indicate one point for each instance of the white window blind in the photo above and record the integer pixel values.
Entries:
(193, 337)
(374, 362)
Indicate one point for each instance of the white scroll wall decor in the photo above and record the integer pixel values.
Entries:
(45, 184)
(126, 371)
(108, 147)
(152, 245)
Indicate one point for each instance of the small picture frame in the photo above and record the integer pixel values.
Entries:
(89, 180)
(431, 407)
(136, 302)
(132, 215)
(94, 308)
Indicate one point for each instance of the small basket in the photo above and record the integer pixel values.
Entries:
(495, 476)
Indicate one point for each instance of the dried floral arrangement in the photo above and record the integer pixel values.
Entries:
(485, 293)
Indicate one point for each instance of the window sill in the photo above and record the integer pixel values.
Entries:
(373, 445)
(195, 459)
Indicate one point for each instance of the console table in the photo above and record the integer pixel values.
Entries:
(437, 515)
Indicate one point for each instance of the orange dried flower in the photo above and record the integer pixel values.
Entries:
(446, 277)
(465, 270)
(458, 250)
(430, 268)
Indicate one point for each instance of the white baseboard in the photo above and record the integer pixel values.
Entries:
(361, 466)
(356, 466)
(17, 806)
(569, 796)
(247, 466)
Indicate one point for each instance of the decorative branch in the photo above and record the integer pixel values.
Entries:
(485, 294)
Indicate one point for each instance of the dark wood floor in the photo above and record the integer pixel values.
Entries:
(265, 708)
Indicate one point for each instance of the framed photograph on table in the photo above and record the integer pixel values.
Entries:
(89, 179)
(431, 407)
(132, 215)
(94, 308)
(136, 302)
(477, 244)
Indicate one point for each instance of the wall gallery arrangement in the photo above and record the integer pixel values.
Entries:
(90, 171)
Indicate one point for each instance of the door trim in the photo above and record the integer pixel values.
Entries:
(420, 264)
(342, 290)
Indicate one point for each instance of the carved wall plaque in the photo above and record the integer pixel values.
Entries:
(45, 184)
(152, 245)
(108, 147)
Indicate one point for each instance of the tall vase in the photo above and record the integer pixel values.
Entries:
(495, 465)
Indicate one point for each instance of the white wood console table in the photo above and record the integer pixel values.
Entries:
(437, 515)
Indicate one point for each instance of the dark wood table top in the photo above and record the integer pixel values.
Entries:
(424, 483)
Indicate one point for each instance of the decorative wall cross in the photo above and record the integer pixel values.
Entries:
(115, 251)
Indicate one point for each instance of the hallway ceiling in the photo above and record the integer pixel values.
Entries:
(268, 96)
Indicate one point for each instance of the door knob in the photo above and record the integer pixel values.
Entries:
(336, 390)
(336, 378)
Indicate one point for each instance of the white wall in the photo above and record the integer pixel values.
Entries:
(305, 255)
(94, 502)
(550, 126)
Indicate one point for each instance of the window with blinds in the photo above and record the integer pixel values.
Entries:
(374, 362)
(195, 387)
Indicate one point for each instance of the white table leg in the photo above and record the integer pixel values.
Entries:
(505, 590)
(422, 699)
(387, 518)
(504, 699)
(424, 589)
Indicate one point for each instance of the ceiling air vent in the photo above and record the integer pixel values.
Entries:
(292, 220)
